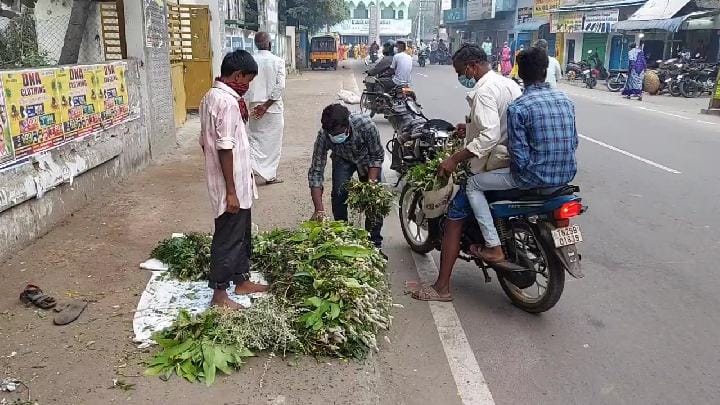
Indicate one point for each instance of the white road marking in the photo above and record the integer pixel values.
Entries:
(707, 122)
(663, 112)
(422, 74)
(628, 154)
(470, 382)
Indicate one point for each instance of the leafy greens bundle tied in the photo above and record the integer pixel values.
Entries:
(370, 198)
(334, 278)
(187, 257)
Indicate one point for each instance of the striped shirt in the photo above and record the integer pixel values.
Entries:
(222, 128)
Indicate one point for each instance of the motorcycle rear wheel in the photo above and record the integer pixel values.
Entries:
(615, 83)
(536, 254)
(591, 82)
(689, 88)
(416, 234)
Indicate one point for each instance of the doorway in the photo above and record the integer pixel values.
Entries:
(570, 55)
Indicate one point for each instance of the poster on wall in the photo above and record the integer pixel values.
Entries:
(7, 152)
(524, 14)
(480, 9)
(34, 111)
(600, 21)
(541, 7)
(114, 92)
(82, 103)
(566, 22)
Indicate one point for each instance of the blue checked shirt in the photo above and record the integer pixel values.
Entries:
(363, 148)
(542, 138)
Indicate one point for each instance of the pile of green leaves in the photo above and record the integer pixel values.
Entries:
(369, 198)
(425, 176)
(197, 347)
(333, 278)
(187, 257)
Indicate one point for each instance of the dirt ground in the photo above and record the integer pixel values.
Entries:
(94, 255)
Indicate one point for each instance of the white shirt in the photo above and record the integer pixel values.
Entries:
(402, 63)
(222, 128)
(486, 135)
(554, 72)
(269, 82)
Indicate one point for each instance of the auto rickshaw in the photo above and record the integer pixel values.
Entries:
(324, 52)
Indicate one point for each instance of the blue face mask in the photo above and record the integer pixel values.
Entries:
(468, 82)
(339, 138)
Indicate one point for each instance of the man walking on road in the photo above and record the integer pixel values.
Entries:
(554, 70)
(355, 144)
(266, 119)
(485, 146)
(229, 177)
(542, 139)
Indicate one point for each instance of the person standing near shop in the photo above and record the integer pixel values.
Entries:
(266, 123)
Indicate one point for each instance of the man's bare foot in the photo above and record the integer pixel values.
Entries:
(220, 299)
(248, 287)
(493, 254)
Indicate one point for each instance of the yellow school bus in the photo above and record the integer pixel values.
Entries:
(324, 52)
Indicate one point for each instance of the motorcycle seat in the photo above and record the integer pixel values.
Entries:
(535, 194)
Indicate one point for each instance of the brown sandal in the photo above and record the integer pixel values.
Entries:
(428, 293)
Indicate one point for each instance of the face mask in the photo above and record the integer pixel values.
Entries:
(240, 88)
(339, 138)
(466, 81)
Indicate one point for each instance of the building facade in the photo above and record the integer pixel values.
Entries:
(394, 22)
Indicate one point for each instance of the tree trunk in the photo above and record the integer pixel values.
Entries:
(75, 32)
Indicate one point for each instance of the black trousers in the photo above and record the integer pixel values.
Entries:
(342, 172)
(230, 250)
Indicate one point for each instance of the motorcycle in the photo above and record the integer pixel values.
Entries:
(534, 225)
(616, 81)
(699, 80)
(573, 70)
(422, 57)
(442, 57)
(397, 103)
(590, 78)
(373, 56)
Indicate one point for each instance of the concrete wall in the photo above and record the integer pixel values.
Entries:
(38, 194)
(51, 22)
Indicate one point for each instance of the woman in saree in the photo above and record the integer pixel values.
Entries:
(505, 63)
(634, 83)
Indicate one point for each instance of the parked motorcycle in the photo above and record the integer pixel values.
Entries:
(616, 81)
(574, 70)
(699, 79)
(397, 103)
(422, 57)
(534, 226)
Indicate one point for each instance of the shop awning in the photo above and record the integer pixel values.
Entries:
(600, 5)
(530, 25)
(658, 10)
(668, 24)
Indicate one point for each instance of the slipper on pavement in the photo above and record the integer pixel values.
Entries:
(70, 313)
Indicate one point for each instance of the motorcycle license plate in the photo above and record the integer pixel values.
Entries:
(567, 236)
(586, 72)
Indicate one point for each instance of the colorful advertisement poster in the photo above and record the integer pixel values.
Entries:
(566, 22)
(541, 7)
(82, 102)
(7, 152)
(33, 108)
(114, 92)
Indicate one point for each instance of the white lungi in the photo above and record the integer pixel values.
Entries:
(266, 142)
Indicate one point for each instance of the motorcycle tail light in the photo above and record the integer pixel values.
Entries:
(568, 210)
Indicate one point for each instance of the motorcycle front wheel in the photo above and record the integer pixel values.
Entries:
(366, 106)
(675, 89)
(591, 82)
(689, 88)
(615, 83)
(532, 252)
(413, 222)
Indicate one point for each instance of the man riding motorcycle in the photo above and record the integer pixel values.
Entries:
(485, 148)
(382, 69)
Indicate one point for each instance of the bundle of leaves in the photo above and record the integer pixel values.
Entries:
(196, 347)
(334, 279)
(187, 257)
(425, 176)
(369, 198)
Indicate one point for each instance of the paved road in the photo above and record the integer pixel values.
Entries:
(643, 326)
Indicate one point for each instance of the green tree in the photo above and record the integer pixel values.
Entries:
(313, 14)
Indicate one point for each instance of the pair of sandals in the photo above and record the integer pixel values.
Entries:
(425, 292)
(66, 313)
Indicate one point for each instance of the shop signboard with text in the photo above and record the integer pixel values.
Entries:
(566, 22)
(454, 15)
(524, 14)
(542, 7)
(361, 26)
(600, 21)
(480, 9)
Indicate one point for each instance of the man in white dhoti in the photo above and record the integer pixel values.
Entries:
(265, 127)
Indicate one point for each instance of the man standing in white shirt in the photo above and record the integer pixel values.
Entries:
(401, 65)
(229, 176)
(554, 71)
(266, 107)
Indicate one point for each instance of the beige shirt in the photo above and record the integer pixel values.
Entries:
(222, 128)
(486, 134)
